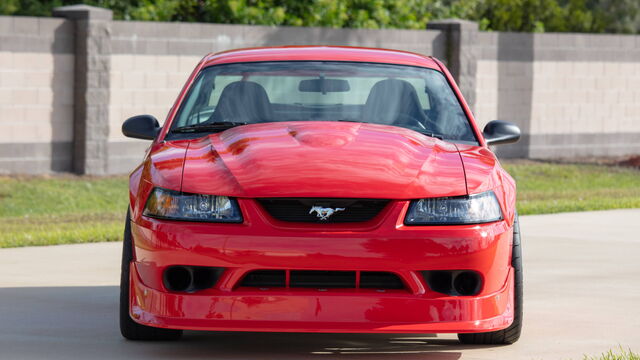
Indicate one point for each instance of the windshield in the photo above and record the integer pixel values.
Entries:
(245, 93)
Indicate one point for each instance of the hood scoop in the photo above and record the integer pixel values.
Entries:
(332, 136)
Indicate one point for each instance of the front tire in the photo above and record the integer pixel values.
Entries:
(130, 329)
(511, 334)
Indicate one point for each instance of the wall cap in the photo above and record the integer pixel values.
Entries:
(446, 24)
(83, 12)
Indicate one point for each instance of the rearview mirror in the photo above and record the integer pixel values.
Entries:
(323, 85)
(144, 127)
(501, 132)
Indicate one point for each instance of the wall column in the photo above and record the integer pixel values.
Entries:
(461, 53)
(91, 90)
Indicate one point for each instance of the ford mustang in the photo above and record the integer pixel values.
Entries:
(321, 189)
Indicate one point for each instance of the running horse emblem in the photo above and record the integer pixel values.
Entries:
(324, 213)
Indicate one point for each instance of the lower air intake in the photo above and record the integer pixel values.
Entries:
(265, 278)
(322, 279)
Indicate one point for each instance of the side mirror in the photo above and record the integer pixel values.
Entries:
(501, 132)
(144, 127)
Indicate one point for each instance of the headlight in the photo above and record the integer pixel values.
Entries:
(473, 209)
(174, 205)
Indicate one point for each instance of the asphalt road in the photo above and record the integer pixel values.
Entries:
(582, 296)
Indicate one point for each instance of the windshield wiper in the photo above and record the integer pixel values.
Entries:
(427, 133)
(213, 126)
(430, 134)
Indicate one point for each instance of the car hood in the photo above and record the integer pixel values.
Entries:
(323, 159)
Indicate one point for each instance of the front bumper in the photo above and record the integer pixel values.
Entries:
(383, 244)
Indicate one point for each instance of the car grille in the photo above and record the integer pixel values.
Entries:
(300, 209)
(322, 279)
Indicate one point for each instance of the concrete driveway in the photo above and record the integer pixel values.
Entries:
(582, 296)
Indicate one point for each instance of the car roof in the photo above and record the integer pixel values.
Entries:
(320, 53)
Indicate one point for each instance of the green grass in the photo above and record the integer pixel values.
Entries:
(72, 209)
(551, 188)
(61, 210)
(611, 355)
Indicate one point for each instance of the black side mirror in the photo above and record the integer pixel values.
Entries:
(501, 132)
(144, 127)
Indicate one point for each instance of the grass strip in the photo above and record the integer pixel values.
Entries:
(618, 355)
(545, 188)
(67, 209)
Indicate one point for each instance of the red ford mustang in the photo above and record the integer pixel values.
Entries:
(321, 189)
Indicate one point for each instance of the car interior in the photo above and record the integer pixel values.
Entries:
(390, 101)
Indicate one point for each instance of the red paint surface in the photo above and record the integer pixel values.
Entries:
(309, 159)
(323, 159)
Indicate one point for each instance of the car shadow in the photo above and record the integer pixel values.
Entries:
(63, 322)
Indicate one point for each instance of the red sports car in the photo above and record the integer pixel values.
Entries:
(321, 189)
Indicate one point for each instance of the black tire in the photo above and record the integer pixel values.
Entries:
(511, 334)
(130, 329)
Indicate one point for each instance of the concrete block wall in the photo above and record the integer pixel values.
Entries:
(504, 84)
(67, 84)
(586, 96)
(36, 94)
(573, 95)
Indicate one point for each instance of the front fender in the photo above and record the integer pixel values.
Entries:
(484, 172)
